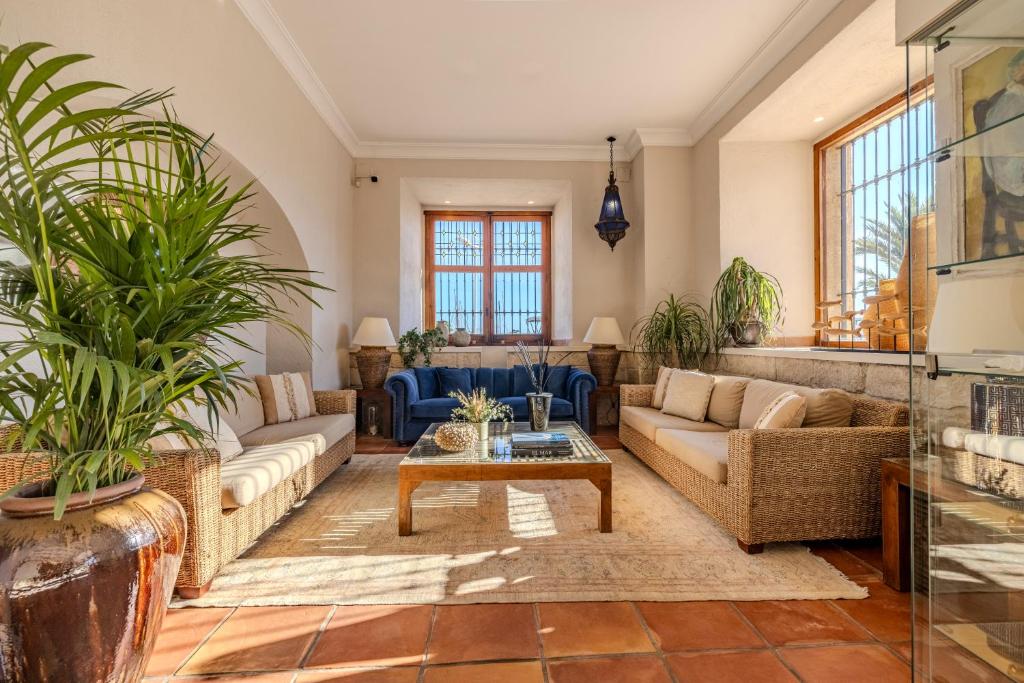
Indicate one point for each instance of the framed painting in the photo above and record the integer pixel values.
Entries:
(992, 89)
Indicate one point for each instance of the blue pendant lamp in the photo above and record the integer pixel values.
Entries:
(611, 224)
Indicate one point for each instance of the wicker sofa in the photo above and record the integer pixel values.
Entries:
(220, 526)
(772, 484)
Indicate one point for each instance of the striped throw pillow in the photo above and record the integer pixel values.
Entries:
(286, 397)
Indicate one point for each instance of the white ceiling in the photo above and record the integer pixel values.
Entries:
(860, 68)
(392, 76)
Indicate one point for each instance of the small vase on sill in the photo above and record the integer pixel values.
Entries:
(461, 337)
(539, 409)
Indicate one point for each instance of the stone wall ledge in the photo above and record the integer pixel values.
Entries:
(808, 353)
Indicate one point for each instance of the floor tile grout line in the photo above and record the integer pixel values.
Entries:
(659, 653)
(770, 646)
(203, 641)
(316, 639)
(540, 643)
(871, 632)
(426, 645)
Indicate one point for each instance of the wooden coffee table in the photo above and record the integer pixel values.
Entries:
(427, 462)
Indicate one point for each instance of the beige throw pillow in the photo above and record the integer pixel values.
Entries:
(688, 394)
(286, 397)
(786, 411)
(660, 386)
(727, 400)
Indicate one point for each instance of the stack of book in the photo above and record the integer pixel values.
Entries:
(540, 444)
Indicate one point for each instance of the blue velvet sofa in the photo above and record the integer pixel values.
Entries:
(420, 396)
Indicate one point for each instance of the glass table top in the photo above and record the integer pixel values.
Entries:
(499, 447)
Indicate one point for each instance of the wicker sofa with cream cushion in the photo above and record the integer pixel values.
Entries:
(817, 481)
(229, 503)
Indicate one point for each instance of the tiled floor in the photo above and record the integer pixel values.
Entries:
(748, 642)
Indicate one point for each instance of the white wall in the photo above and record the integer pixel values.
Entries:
(767, 217)
(226, 82)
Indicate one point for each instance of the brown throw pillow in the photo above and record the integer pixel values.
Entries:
(286, 397)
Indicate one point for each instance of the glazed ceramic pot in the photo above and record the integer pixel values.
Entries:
(82, 598)
(747, 333)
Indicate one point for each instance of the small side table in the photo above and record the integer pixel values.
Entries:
(896, 523)
(609, 394)
(373, 407)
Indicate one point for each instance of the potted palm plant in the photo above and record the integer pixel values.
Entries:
(746, 304)
(119, 298)
(677, 334)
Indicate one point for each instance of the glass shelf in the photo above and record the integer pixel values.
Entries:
(974, 365)
(1003, 139)
(998, 262)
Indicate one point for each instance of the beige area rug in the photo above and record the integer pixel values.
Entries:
(519, 541)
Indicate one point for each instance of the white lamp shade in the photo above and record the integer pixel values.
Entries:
(604, 331)
(980, 314)
(374, 332)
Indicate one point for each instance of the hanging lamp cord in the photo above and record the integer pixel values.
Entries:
(611, 161)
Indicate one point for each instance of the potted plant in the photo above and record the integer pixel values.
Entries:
(476, 408)
(112, 229)
(538, 402)
(677, 333)
(746, 304)
(414, 344)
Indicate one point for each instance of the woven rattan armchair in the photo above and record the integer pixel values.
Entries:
(216, 536)
(788, 484)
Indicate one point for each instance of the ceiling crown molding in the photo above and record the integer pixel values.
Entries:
(782, 40)
(270, 27)
(656, 137)
(482, 151)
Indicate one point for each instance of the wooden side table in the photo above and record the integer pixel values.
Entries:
(896, 523)
(608, 393)
(370, 403)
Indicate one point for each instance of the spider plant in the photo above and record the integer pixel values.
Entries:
(677, 333)
(113, 280)
(745, 296)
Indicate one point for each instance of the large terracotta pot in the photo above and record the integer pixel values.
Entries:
(82, 598)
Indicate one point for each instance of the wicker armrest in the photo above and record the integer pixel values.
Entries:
(636, 395)
(335, 401)
(193, 478)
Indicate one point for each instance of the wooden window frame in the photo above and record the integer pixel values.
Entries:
(488, 269)
(868, 119)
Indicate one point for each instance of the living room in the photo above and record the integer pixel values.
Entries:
(489, 340)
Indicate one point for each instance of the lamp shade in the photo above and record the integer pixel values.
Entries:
(374, 332)
(611, 224)
(979, 314)
(604, 331)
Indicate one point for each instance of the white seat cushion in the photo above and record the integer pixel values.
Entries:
(706, 452)
(648, 421)
(332, 427)
(261, 468)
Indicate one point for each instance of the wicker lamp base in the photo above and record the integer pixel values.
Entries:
(604, 363)
(373, 363)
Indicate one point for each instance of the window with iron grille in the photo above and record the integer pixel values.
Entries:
(872, 181)
(490, 273)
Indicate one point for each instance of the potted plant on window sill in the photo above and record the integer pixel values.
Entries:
(677, 333)
(746, 304)
(113, 276)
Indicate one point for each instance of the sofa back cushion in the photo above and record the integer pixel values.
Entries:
(286, 397)
(825, 407)
(247, 413)
(555, 383)
(427, 382)
(688, 394)
(727, 400)
(455, 379)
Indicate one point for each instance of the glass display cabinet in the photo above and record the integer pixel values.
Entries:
(966, 293)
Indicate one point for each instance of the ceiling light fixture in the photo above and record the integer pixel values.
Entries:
(819, 119)
(611, 224)
(447, 201)
(530, 202)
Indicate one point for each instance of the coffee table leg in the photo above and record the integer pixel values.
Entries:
(405, 489)
(604, 521)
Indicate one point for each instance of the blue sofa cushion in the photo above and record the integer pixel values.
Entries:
(560, 408)
(426, 380)
(455, 379)
(558, 376)
(437, 409)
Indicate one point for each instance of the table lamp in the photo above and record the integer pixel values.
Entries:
(373, 358)
(604, 335)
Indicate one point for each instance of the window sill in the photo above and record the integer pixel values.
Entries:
(837, 356)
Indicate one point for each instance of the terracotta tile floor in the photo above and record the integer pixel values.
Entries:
(751, 642)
